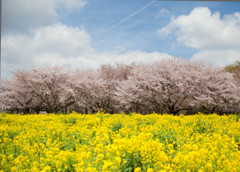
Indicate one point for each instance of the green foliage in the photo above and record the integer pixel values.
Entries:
(133, 161)
(3, 114)
(116, 126)
(166, 137)
(203, 127)
(70, 120)
(234, 69)
(238, 117)
(12, 134)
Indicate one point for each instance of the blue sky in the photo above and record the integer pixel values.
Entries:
(102, 20)
(83, 34)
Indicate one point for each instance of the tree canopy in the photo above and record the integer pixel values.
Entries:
(167, 86)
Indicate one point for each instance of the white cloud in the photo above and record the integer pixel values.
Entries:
(218, 39)
(33, 36)
(162, 13)
(131, 57)
(217, 57)
(62, 39)
(70, 4)
(59, 44)
(53, 44)
(21, 15)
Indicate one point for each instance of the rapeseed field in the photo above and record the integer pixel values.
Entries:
(119, 142)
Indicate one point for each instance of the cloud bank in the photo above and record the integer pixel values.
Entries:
(59, 44)
(35, 36)
(216, 38)
(22, 15)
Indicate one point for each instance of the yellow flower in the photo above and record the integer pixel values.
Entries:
(138, 169)
(34, 169)
(195, 147)
(209, 165)
(13, 169)
(150, 170)
(10, 156)
(118, 161)
(46, 168)
(40, 140)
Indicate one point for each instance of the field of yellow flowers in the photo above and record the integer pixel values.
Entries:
(119, 142)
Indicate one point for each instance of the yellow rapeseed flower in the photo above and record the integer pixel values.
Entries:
(138, 169)
(88, 142)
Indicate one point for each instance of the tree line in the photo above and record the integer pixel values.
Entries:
(166, 86)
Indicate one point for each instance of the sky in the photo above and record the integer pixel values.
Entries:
(80, 34)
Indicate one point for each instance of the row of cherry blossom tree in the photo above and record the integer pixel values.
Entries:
(167, 86)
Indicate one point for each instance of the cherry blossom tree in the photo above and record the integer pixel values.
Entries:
(16, 97)
(46, 86)
(219, 90)
(175, 85)
(93, 90)
(171, 85)
(112, 76)
(87, 91)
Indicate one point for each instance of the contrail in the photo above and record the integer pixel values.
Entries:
(128, 17)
